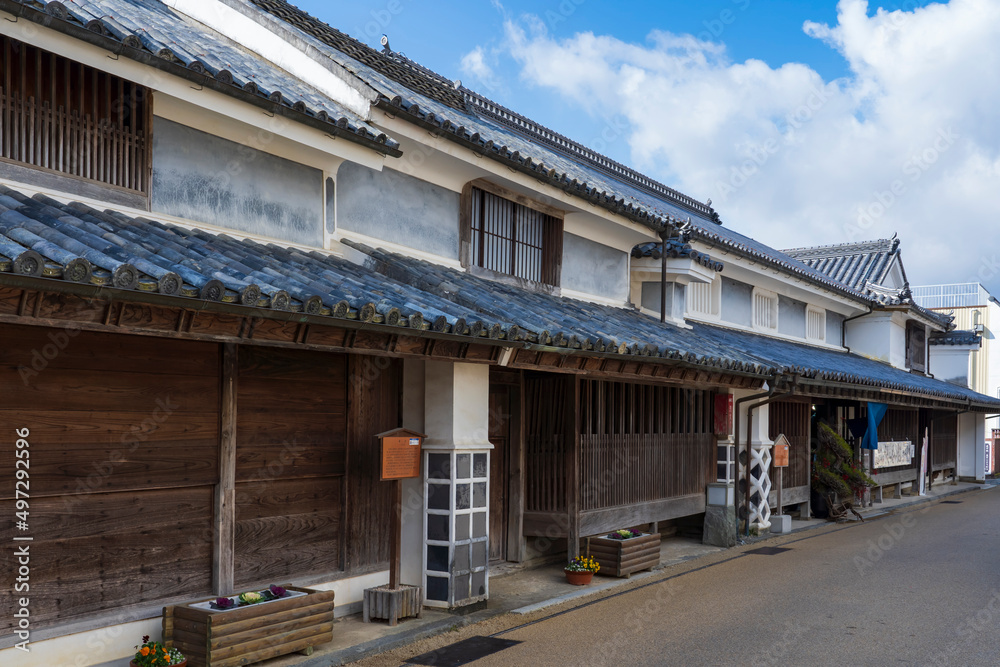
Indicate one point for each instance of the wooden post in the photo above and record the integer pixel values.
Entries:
(516, 544)
(225, 491)
(572, 467)
(397, 539)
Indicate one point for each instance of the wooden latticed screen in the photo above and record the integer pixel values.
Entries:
(641, 443)
(63, 116)
(511, 238)
(792, 418)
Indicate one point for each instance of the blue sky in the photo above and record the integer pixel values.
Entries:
(807, 123)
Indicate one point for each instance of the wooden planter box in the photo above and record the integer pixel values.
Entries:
(620, 558)
(212, 638)
(383, 602)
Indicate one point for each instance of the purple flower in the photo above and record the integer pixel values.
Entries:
(223, 603)
(278, 591)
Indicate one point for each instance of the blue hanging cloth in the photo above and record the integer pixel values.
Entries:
(875, 413)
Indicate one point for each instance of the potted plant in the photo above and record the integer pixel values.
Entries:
(581, 570)
(622, 552)
(155, 654)
(837, 478)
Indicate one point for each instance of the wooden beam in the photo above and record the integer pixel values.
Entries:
(225, 490)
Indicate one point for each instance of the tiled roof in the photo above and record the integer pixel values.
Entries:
(577, 324)
(956, 338)
(858, 265)
(864, 266)
(153, 33)
(45, 238)
(676, 248)
(420, 96)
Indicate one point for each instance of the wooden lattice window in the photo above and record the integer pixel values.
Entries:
(916, 346)
(765, 310)
(66, 117)
(506, 233)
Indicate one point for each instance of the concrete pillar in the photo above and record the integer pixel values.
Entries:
(456, 484)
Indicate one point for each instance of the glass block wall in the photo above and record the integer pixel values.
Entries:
(456, 527)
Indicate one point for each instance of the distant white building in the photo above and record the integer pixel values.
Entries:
(976, 311)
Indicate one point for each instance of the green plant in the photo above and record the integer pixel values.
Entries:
(836, 473)
(583, 564)
(155, 654)
(624, 534)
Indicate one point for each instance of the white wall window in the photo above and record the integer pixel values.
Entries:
(703, 299)
(765, 310)
(815, 323)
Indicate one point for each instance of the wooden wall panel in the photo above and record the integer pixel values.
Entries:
(286, 528)
(794, 420)
(375, 390)
(98, 552)
(123, 452)
(291, 451)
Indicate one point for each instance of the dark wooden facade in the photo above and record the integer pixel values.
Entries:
(602, 454)
(793, 418)
(128, 459)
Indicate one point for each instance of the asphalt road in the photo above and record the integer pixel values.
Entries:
(918, 587)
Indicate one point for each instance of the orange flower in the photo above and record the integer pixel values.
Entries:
(144, 650)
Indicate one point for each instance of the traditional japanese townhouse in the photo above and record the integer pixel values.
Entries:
(236, 244)
(900, 331)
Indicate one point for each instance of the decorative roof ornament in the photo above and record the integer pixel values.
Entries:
(713, 214)
(385, 45)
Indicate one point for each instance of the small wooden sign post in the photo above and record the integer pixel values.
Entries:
(401, 453)
(780, 460)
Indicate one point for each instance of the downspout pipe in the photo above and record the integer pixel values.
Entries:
(768, 396)
(843, 327)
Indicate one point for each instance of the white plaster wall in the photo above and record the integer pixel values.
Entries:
(951, 363)
(991, 348)
(761, 419)
(880, 336)
(115, 643)
(456, 413)
(972, 446)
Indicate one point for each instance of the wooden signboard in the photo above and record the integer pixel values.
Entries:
(400, 454)
(780, 451)
(400, 460)
(723, 415)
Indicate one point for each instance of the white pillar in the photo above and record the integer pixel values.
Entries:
(456, 483)
(760, 459)
(972, 446)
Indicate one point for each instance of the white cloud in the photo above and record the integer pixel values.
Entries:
(474, 64)
(908, 142)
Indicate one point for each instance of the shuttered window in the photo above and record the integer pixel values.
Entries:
(63, 116)
(815, 323)
(512, 238)
(765, 310)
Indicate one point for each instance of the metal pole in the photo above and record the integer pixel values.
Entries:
(663, 278)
